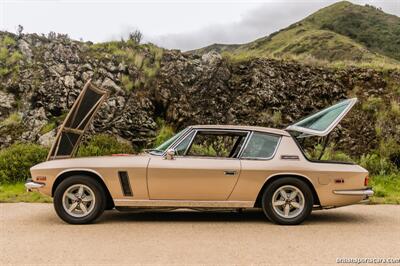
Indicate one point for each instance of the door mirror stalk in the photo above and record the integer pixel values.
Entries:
(170, 154)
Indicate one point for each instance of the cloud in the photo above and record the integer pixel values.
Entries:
(259, 22)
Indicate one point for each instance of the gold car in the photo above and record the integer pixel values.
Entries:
(203, 166)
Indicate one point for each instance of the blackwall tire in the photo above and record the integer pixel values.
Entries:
(287, 201)
(79, 200)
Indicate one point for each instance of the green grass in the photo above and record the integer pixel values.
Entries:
(12, 119)
(367, 25)
(17, 193)
(386, 188)
(127, 83)
(48, 127)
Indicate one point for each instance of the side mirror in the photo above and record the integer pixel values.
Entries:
(169, 155)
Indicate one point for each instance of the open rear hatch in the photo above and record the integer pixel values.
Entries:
(77, 121)
(323, 122)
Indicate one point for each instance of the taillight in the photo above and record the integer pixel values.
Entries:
(366, 181)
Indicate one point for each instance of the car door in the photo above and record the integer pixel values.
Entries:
(324, 121)
(205, 167)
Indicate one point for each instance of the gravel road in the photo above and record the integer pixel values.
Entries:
(33, 234)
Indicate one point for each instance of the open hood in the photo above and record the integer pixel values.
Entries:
(324, 121)
(77, 121)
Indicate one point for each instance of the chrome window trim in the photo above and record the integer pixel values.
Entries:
(314, 132)
(262, 158)
(212, 130)
(245, 144)
(184, 134)
(179, 141)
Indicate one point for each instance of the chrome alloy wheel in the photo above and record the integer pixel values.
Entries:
(288, 201)
(78, 200)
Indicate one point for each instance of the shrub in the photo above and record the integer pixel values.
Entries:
(329, 154)
(373, 104)
(135, 36)
(7, 41)
(127, 84)
(164, 133)
(103, 144)
(277, 118)
(16, 160)
(395, 107)
(204, 150)
(376, 164)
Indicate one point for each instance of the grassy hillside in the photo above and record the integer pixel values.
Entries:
(341, 33)
(376, 30)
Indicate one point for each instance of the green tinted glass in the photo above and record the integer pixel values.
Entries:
(261, 146)
(182, 147)
(323, 119)
(168, 143)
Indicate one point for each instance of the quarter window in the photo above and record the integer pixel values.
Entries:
(260, 146)
(182, 147)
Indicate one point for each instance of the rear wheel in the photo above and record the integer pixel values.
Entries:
(287, 201)
(79, 200)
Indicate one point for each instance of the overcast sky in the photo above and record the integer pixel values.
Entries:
(180, 24)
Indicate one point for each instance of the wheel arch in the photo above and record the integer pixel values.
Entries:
(274, 177)
(86, 172)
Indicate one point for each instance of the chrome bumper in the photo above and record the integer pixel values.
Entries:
(31, 186)
(367, 192)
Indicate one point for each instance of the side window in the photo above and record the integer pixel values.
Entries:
(260, 145)
(182, 147)
(216, 144)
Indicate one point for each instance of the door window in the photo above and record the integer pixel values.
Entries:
(260, 146)
(214, 144)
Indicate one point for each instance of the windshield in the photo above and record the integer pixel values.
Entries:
(161, 149)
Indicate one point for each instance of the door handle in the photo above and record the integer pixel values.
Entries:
(229, 172)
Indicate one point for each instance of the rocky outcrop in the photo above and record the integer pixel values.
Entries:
(7, 104)
(147, 83)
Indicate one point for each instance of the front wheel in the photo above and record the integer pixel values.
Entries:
(287, 201)
(79, 200)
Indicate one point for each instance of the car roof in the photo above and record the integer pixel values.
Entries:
(249, 128)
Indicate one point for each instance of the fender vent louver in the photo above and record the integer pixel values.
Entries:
(125, 185)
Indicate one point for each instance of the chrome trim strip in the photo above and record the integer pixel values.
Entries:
(248, 138)
(190, 142)
(355, 192)
(33, 185)
(183, 203)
